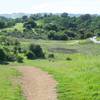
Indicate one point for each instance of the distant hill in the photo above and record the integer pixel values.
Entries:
(14, 15)
(19, 15)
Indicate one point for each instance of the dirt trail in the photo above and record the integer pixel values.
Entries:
(37, 85)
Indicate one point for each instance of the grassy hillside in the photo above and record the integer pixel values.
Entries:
(75, 66)
(78, 78)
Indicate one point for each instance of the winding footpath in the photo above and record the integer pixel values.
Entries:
(37, 84)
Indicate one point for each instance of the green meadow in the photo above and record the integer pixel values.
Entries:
(75, 67)
(78, 78)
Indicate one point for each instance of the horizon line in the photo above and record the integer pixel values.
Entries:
(50, 13)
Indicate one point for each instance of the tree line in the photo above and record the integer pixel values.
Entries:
(53, 26)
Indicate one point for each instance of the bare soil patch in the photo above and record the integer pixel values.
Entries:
(37, 84)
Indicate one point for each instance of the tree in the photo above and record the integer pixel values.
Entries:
(64, 14)
(51, 56)
(30, 55)
(3, 55)
(70, 34)
(25, 18)
(51, 26)
(2, 24)
(51, 35)
(85, 17)
(30, 24)
(37, 50)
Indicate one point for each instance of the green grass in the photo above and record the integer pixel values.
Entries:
(78, 79)
(81, 46)
(9, 90)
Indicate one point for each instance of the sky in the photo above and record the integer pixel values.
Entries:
(50, 6)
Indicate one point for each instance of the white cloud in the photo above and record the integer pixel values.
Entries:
(55, 6)
(70, 6)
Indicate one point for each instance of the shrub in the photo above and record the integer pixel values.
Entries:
(30, 55)
(6, 55)
(11, 57)
(30, 24)
(68, 58)
(3, 55)
(19, 59)
(51, 56)
(37, 50)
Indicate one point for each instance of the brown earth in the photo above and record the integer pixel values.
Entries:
(37, 84)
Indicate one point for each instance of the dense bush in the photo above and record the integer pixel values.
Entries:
(3, 55)
(10, 49)
(37, 50)
(51, 26)
(30, 55)
(58, 37)
(6, 22)
(68, 58)
(8, 56)
(51, 56)
(11, 57)
(19, 59)
(30, 24)
(7, 41)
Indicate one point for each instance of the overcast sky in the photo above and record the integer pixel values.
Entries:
(54, 6)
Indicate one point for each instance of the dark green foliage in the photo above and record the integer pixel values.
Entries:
(64, 15)
(3, 55)
(19, 59)
(5, 22)
(2, 24)
(85, 17)
(11, 57)
(30, 55)
(7, 56)
(37, 50)
(24, 18)
(10, 49)
(55, 36)
(16, 49)
(53, 26)
(70, 34)
(68, 58)
(98, 34)
(7, 41)
(30, 24)
(51, 56)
